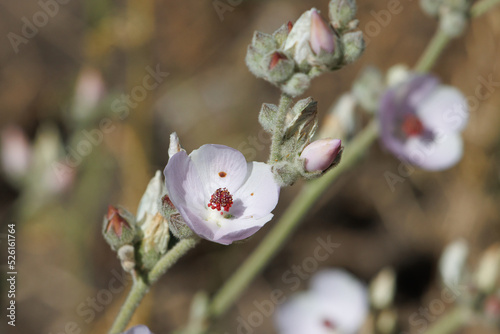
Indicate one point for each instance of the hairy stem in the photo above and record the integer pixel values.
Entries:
(285, 102)
(142, 284)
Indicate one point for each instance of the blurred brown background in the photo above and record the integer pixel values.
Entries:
(210, 97)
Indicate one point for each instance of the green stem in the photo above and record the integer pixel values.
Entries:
(440, 39)
(141, 285)
(134, 298)
(285, 102)
(451, 322)
(273, 241)
(437, 44)
(482, 7)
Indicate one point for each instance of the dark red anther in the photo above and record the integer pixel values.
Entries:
(221, 199)
(412, 126)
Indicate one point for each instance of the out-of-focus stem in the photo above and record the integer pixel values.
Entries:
(141, 285)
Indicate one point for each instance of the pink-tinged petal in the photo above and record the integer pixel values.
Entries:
(417, 88)
(321, 34)
(238, 229)
(219, 167)
(445, 109)
(388, 113)
(15, 151)
(183, 183)
(442, 153)
(194, 218)
(320, 154)
(259, 195)
(348, 295)
(141, 329)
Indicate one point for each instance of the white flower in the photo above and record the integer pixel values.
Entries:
(421, 121)
(140, 329)
(221, 197)
(336, 303)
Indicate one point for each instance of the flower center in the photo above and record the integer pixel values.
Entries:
(221, 199)
(412, 126)
(328, 324)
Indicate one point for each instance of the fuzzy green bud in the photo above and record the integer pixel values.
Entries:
(453, 23)
(280, 67)
(264, 43)
(118, 227)
(354, 46)
(281, 34)
(341, 12)
(296, 85)
(368, 88)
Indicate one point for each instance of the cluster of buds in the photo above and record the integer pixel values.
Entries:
(452, 14)
(297, 156)
(296, 53)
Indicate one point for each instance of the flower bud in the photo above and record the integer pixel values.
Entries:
(354, 46)
(340, 121)
(453, 23)
(452, 262)
(118, 227)
(296, 85)
(322, 36)
(341, 12)
(382, 289)
(431, 7)
(176, 223)
(174, 146)
(16, 152)
(89, 91)
(281, 34)
(280, 67)
(126, 254)
(488, 271)
(368, 88)
(264, 43)
(321, 154)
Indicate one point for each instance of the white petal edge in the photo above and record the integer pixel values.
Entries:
(444, 110)
(259, 195)
(441, 154)
(183, 183)
(239, 229)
